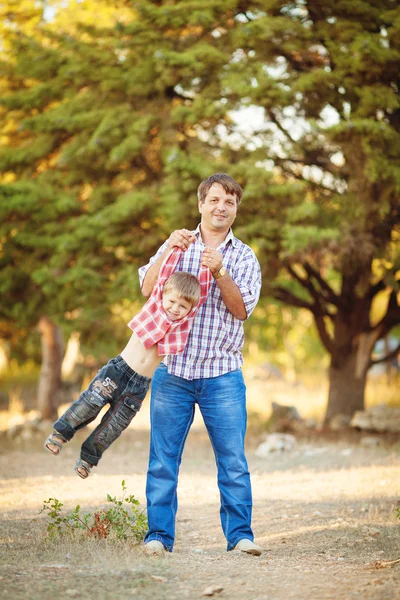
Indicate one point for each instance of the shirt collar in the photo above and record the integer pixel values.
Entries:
(229, 237)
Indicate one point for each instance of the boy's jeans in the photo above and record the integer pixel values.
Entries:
(222, 402)
(115, 384)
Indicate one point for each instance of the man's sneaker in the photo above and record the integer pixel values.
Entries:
(249, 547)
(154, 547)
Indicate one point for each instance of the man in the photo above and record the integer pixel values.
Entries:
(208, 372)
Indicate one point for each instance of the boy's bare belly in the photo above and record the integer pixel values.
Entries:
(143, 361)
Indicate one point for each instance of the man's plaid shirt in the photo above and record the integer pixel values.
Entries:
(216, 338)
(152, 325)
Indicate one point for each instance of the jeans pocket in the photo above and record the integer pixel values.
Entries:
(120, 420)
(128, 409)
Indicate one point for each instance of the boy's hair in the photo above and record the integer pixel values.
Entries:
(228, 183)
(185, 284)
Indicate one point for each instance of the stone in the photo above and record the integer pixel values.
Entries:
(276, 442)
(212, 589)
(284, 418)
(380, 418)
(370, 441)
(288, 413)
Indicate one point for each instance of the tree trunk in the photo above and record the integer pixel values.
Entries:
(346, 387)
(49, 387)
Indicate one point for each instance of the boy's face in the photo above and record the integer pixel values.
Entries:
(175, 306)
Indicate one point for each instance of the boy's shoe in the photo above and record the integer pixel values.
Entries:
(249, 547)
(154, 548)
(54, 442)
(82, 468)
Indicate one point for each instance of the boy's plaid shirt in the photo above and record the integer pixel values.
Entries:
(152, 325)
(216, 337)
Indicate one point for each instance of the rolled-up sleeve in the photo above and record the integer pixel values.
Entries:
(143, 270)
(247, 276)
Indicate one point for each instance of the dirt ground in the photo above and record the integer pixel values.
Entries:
(323, 513)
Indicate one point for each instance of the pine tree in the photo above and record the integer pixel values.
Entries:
(114, 120)
(327, 78)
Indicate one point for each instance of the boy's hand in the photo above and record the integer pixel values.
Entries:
(181, 238)
(212, 259)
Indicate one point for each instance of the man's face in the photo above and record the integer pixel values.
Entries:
(175, 306)
(218, 211)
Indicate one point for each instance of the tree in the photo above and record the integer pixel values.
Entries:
(59, 256)
(123, 118)
(327, 78)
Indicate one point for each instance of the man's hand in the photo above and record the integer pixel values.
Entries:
(212, 259)
(181, 238)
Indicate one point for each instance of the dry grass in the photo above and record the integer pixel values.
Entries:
(324, 513)
(309, 395)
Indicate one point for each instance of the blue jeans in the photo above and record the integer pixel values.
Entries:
(222, 402)
(115, 384)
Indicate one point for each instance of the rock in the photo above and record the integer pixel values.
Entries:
(346, 452)
(29, 428)
(378, 418)
(339, 422)
(284, 418)
(276, 442)
(370, 441)
(288, 413)
(212, 589)
(315, 451)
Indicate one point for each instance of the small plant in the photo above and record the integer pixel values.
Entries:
(397, 511)
(121, 521)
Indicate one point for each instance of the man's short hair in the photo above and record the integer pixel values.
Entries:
(228, 183)
(185, 284)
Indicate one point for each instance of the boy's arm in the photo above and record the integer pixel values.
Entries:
(168, 266)
(182, 238)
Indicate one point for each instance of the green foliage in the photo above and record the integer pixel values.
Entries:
(112, 113)
(121, 521)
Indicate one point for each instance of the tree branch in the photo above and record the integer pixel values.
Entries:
(386, 358)
(280, 127)
(326, 289)
(323, 333)
(317, 308)
(280, 293)
(280, 162)
(392, 317)
(376, 288)
(288, 298)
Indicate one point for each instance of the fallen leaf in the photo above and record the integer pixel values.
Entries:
(384, 564)
(159, 578)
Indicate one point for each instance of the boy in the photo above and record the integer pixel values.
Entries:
(161, 327)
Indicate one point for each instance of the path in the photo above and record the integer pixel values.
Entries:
(323, 513)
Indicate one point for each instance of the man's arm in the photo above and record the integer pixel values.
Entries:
(232, 297)
(181, 238)
(231, 293)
